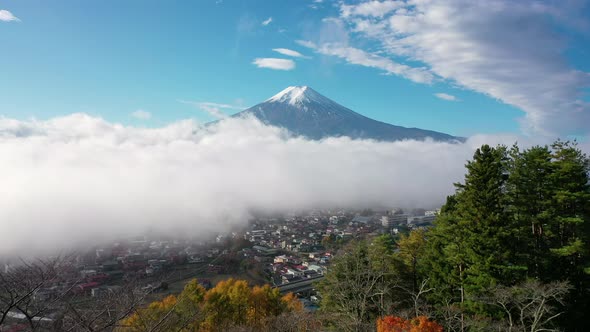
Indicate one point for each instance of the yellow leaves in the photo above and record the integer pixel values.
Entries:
(145, 319)
(264, 302)
(292, 302)
(230, 303)
(412, 245)
(194, 291)
(227, 303)
(167, 303)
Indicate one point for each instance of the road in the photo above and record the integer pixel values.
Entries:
(299, 286)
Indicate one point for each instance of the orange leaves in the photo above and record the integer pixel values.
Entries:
(292, 302)
(392, 324)
(144, 319)
(398, 324)
(229, 304)
(423, 324)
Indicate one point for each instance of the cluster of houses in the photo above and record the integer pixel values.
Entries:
(295, 248)
(98, 272)
(290, 249)
(287, 268)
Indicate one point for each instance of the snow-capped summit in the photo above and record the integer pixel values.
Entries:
(297, 95)
(305, 112)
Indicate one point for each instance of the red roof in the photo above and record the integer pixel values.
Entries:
(88, 285)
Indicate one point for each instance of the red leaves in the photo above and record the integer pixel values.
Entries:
(398, 324)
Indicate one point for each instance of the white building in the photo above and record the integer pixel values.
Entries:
(432, 213)
(295, 272)
(386, 222)
(399, 219)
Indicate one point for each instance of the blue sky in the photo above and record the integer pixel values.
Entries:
(113, 58)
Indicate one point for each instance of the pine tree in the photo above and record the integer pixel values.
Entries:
(569, 231)
(530, 191)
(466, 252)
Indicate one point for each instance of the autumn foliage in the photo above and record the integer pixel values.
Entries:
(231, 303)
(398, 324)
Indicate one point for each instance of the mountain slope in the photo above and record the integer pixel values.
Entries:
(305, 112)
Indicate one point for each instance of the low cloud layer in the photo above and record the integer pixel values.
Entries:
(77, 179)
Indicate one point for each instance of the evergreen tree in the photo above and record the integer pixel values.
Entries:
(569, 242)
(467, 252)
(549, 202)
(530, 191)
(521, 218)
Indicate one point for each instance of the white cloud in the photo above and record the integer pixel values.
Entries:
(274, 63)
(79, 179)
(216, 110)
(220, 105)
(510, 51)
(315, 4)
(288, 52)
(332, 30)
(80, 175)
(446, 96)
(267, 21)
(142, 115)
(307, 43)
(371, 8)
(7, 16)
(357, 56)
(333, 40)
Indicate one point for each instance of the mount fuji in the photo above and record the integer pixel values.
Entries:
(304, 112)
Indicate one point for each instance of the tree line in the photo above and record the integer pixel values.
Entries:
(509, 251)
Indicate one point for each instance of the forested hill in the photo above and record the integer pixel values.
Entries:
(510, 251)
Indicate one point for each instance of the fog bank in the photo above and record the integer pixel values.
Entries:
(76, 179)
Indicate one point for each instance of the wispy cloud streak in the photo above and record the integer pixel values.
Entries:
(274, 63)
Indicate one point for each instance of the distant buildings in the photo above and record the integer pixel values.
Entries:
(421, 220)
(399, 219)
(362, 219)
